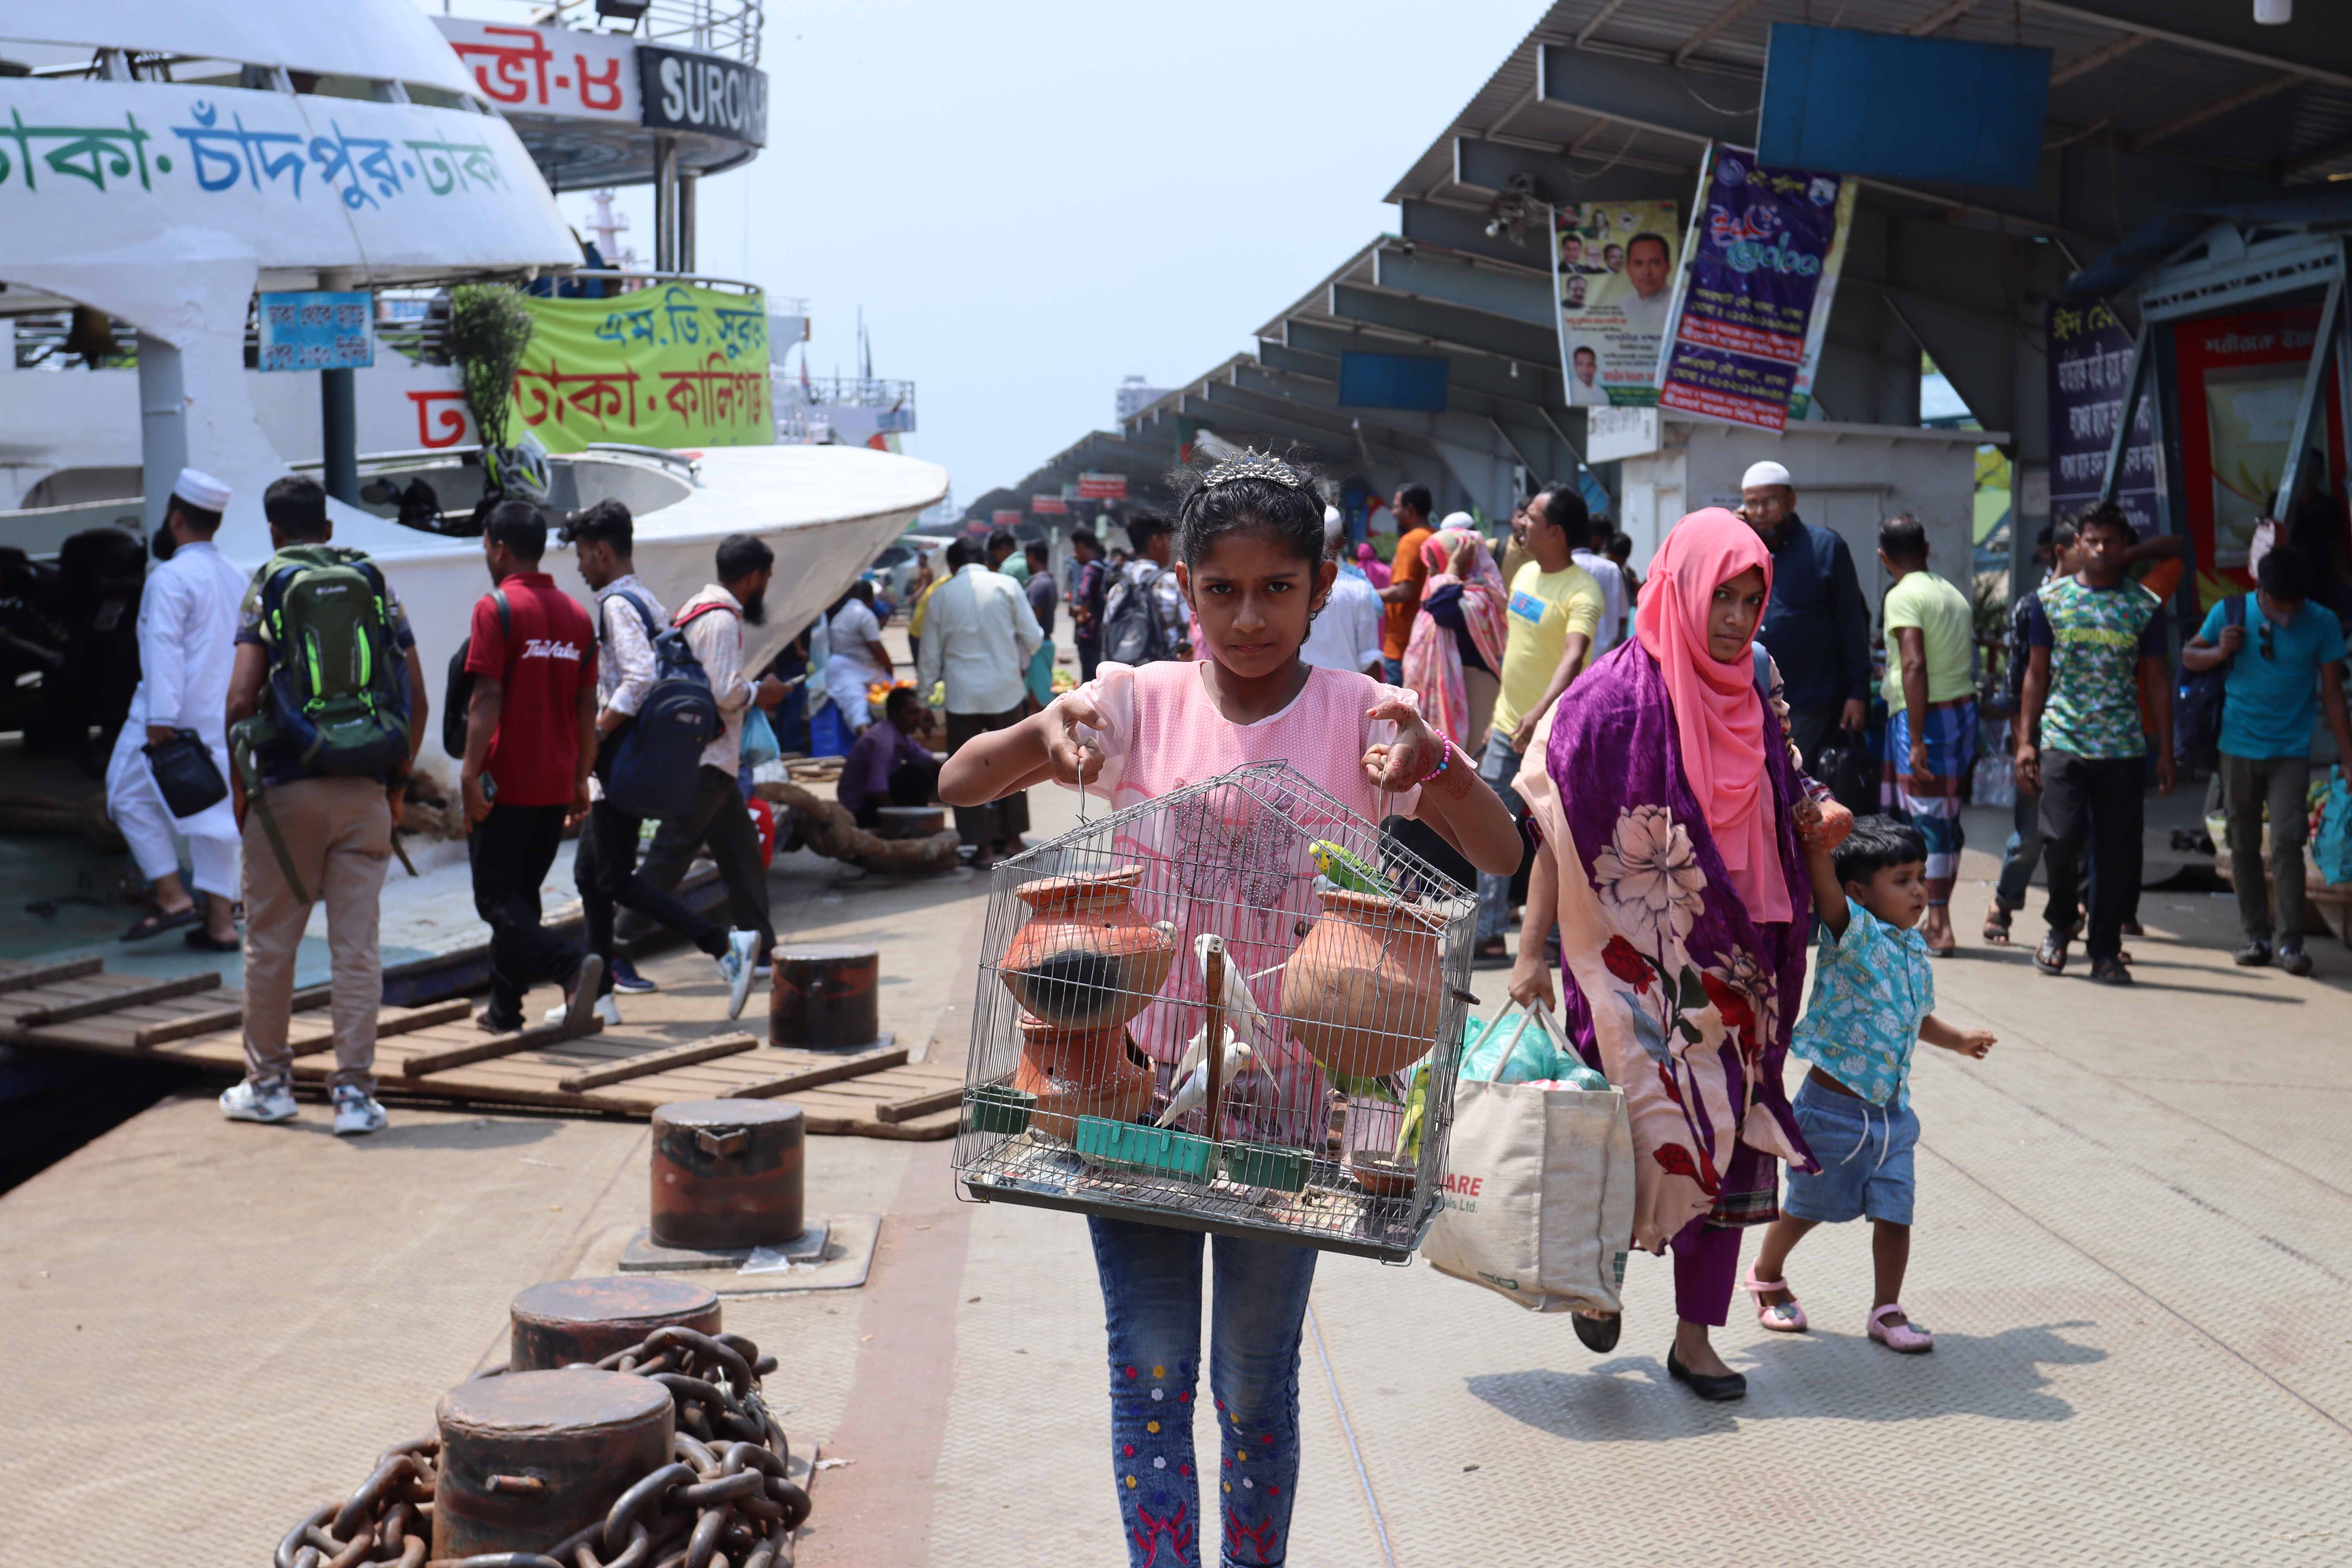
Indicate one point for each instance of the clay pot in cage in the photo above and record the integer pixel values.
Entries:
(1362, 992)
(1085, 958)
(1080, 1072)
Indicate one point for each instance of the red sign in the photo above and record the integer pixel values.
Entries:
(2240, 381)
(1102, 486)
(1010, 519)
(1049, 506)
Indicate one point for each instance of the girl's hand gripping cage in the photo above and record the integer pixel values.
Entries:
(1235, 1009)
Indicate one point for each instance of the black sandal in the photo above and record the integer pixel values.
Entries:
(157, 923)
(1996, 926)
(2051, 956)
(204, 940)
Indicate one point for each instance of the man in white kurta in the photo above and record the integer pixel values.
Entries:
(187, 643)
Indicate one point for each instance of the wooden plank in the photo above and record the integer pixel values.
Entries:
(389, 1021)
(810, 1076)
(645, 1066)
(35, 975)
(921, 1104)
(155, 991)
(529, 1039)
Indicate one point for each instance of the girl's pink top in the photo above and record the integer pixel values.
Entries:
(1235, 861)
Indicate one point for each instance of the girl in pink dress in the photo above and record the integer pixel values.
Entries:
(1251, 564)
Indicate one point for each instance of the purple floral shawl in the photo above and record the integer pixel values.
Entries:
(1669, 987)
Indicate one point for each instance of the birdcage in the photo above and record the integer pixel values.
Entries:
(1235, 1008)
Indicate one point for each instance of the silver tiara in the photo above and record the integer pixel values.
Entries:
(1255, 465)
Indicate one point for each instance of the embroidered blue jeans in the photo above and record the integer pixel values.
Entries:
(1151, 1308)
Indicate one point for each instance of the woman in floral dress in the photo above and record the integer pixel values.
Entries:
(1670, 808)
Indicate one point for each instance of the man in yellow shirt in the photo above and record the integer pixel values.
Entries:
(1555, 608)
(1931, 705)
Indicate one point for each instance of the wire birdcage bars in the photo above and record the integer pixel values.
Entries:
(1237, 1009)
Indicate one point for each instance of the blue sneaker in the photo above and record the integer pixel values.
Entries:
(626, 978)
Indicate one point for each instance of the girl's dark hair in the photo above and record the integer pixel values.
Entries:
(1255, 492)
(1877, 843)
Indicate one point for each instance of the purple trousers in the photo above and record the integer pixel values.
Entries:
(1706, 1269)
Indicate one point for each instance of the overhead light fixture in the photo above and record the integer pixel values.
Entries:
(2273, 13)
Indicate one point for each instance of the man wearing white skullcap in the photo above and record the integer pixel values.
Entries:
(187, 643)
(1816, 625)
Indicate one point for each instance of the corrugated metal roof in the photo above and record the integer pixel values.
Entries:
(2301, 132)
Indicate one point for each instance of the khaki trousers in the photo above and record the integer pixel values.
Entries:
(337, 833)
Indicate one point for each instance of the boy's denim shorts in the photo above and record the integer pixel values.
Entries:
(1864, 1152)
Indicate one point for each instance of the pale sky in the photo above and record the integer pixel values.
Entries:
(1033, 200)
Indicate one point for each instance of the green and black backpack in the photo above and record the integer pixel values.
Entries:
(339, 703)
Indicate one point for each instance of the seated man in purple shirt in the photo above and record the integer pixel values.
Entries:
(887, 765)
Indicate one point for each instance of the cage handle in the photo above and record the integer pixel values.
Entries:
(1213, 971)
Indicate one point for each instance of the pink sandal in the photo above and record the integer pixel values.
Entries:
(1781, 1317)
(1906, 1338)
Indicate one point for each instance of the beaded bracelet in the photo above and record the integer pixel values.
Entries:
(1445, 762)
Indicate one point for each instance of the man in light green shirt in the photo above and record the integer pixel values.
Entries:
(1931, 705)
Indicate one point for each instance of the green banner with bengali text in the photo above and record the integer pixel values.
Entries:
(667, 366)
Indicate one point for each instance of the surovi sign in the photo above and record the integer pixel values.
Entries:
(683, 91)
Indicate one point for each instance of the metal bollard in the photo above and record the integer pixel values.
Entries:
(530, 1458)
(727, 1173)
(823, 999)
(568, 1321)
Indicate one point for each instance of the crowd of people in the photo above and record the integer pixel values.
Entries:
(298, 694)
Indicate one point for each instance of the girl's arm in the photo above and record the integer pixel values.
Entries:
(1041, 747)
(1456, 802)
(1967, 1042)
(1829, 894)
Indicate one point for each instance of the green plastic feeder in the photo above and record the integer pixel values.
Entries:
(1267, 1165)
(1163, 1150)
(999, 1108)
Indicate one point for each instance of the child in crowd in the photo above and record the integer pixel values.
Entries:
(1874, 994)
(1251, 563)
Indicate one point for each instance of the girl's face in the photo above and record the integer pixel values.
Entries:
(1254, 598)
(1731, 618)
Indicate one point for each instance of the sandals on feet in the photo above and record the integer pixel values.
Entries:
(156, 922)
(1996, 926)
(2051, 956)
(1905, 1338)
(1782, 1317)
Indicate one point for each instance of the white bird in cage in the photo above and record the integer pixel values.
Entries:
(1192, 1088)
(1241, 1009)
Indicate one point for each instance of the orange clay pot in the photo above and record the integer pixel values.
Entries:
(1362, 994)
(1079, 1072)
(1085, 958)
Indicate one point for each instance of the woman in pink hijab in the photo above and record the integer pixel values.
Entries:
(1671, 812)
(1376, 570)
(1455, 659)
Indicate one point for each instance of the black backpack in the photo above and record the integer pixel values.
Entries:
(652, 765)
(2196, 718)
(457, 692)
(1131, 632)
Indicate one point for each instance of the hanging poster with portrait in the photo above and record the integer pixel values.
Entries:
(1612, 268)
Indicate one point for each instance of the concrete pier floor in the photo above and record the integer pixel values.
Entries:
(2134, 1243)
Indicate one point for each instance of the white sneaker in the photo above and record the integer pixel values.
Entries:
(271, 1102)
(606, 1009)
(737, 966)
(356, 1112)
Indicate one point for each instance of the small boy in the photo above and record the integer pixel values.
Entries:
(1873, 992)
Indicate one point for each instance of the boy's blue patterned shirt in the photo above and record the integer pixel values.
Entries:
(1870, 991)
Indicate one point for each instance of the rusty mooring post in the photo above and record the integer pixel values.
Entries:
(823, 999)
(530, 1458)
(727, 1173)
(568, 1321)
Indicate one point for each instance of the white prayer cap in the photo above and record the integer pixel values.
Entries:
(1458, 519)
(1335, 527)
(200, 489)
(1766, 472)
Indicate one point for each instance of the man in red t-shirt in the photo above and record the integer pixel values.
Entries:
(529, 742)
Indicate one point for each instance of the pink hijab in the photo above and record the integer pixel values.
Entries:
(1718, 714)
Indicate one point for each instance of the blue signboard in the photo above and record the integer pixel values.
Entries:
(1901, 107)
(1391, 381)
(316, 331)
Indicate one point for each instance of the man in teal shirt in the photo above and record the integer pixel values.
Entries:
(2272, 696)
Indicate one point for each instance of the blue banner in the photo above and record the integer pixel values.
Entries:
(1763, 245)
(2090, 363)
(316, 331)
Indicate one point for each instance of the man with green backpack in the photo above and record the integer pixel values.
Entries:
(326, 705)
